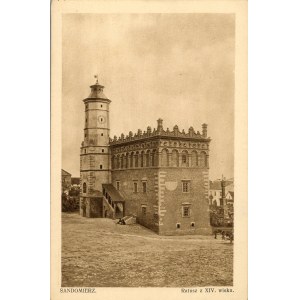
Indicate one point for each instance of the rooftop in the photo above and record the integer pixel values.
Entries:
(216, 185)
(160, 132)
(96, 92)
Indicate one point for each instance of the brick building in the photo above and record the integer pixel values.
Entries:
(158, 175)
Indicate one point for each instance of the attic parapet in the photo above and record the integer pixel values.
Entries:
(160, 132)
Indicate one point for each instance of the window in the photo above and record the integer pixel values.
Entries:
(86, 106)
(185, 186)
(101, 119)
(135, 187)
(142, 158)
(84, 150)
(178, 225)
(153, 158)
(144, 210)
(136, 160)
(101, 105)
(100, 166)
(118, 185)
(101, 134)
(85, 135)
(144, 187)
(193, 224)
(164, 158)
(102, 150)
(185, 211)
(184, 159)
(84, 188)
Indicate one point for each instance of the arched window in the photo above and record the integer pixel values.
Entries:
(84, 188)
(184, 159)
(142, 158)
(127, 160)
(164, 158)
(175, 158)
(131, 159)
(118, 162)
(114, 162)
(203, 159)
(194, 159)
(153, 158)
(122, 161)
(136, 162)
(148, 158)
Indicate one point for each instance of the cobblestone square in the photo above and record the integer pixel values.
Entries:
(97, 252)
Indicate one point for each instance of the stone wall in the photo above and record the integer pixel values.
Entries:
(91, 207)
(142, 204)
(172, 201)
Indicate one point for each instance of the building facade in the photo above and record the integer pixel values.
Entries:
(65, 180)
(215, 191)
(159, 176)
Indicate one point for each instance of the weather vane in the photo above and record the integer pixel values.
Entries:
(96, 76)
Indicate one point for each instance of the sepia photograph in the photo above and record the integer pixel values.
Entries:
(146, 150)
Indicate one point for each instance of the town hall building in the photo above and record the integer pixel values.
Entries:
(159, 175)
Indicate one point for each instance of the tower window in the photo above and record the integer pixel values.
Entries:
(101, 119)
(101, 105)
(102, 150)
(193, 224)
(84, 150)
(118, 185)
(101, 134)
(178, 225)
(84, 188)
(100, 166)
(135, 187)
(85, 135)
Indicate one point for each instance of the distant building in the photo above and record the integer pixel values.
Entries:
(230, 198)
(159, 175)
(65, 180)
(75, 181)
(215, 191)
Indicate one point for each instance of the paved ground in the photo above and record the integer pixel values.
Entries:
(100, 253)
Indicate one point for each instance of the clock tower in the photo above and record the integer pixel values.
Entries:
(95, 163)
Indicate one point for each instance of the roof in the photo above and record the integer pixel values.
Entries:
(113, 192)
(97, 92)
(231, 194)
(65, 173)
(216, 185)
(75, 180)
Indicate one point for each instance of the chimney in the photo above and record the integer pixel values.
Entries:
(204, 130)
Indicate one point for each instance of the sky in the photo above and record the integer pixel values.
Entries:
(178, 67)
